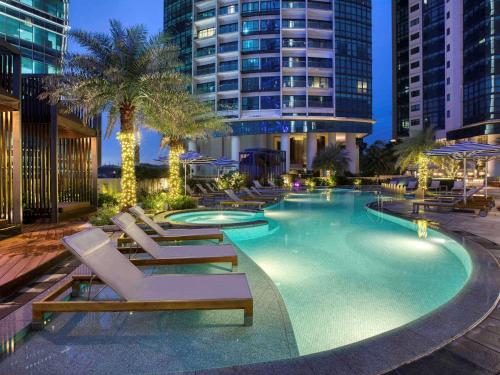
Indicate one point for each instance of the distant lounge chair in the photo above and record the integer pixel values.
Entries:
(458, 186)
(177, 234)
(455, 202)
(252, 195)
(208, 193)
(412, 185)
(237, 201)
(174, 254)
(213, 189)
(435, 185)
(138, 291)
(260, 187)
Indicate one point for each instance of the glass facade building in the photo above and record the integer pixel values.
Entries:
(178, 21)
(293, 75)
(38, 28)
(447, 73)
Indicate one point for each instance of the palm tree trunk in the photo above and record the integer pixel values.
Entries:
(128, 196)
(174, 171)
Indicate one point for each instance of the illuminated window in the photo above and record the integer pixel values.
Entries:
(206, 33)
(362, 87)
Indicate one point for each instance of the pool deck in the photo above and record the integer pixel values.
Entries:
(421, 347)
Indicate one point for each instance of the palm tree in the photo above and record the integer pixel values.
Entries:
(411, 151)
(378, 159)
(333, 159)
(172, 111)
(109, 76)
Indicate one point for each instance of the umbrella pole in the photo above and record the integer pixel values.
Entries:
(465, 180)
(185, 179)
(486, 178)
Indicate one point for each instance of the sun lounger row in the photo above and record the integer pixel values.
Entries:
(141, 292)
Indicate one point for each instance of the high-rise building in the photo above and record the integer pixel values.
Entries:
(50, 156)
(293, 75)
(38, 29)
(446, 71)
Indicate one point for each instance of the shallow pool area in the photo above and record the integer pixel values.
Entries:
(215, 217)
(347, 274)
(325, 272)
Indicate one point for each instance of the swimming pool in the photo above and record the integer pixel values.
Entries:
(343, 273)
(215, 217)
(346, 274)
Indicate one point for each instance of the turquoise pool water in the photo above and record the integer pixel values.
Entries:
(346, 274)
(216, 217)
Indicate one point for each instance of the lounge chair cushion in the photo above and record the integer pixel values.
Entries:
(93, 247)
(136, 210)
(127, 224)
(195, 287)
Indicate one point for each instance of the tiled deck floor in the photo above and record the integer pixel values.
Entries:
(477, 352)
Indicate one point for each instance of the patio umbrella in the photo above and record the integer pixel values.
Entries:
(192, 157)
(223, 162)
(467, 150)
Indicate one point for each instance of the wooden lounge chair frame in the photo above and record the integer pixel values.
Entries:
(157, 261)
(159, 238)
(49, 304)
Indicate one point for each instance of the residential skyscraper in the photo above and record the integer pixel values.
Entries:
(446, 70)
(38, 28)
(291, 75)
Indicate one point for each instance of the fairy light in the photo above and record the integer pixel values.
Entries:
(174, 169)
(423, 171)
(128, 193)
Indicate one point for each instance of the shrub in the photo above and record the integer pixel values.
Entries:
(107, 199)
(104, 214)
(162, 201)
(155, 202)
(324, 181)
(310, 183)
(232, 180)
(182, 202)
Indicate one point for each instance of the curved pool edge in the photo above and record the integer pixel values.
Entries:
(162, 217)
(419, 338)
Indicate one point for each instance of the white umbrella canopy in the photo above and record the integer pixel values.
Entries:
(468, 150)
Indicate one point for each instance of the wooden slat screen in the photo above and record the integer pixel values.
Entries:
(6, 199)
(75, 170)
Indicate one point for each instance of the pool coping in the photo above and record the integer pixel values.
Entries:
(407, 343)
(180, 224)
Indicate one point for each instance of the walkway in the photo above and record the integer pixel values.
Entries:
(478, 351)
(29, 255)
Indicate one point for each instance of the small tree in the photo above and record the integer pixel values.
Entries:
(178, 116)
(412, 151)
(333, 159)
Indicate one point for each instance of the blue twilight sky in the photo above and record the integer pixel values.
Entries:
(94, 15)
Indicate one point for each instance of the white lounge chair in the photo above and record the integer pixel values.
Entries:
(177, 234)
(257, 184)
(252, 195)
(175, 254)
(237, 201)
(139, 292)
